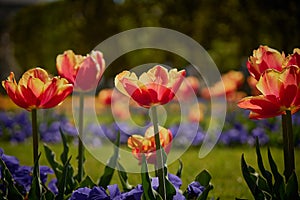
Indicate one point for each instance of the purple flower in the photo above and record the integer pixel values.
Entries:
(81, 194)
(194, 189)
(11, 162)
(98, 193)
(52, 186)
(114, 192)
(259, 133)
(44, 171)
(134, 194)
(23, 175)
(187, 132)
(175, 180)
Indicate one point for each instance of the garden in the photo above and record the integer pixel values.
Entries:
(101, 104)
(276, 93)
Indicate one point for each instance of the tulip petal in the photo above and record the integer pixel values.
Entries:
(261, 107)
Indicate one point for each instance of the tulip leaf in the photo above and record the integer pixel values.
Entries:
(251, 180)
(203, 178)
(50, 155)
(123, 178)
(266, 174)
(35, 191)
(87, 182)
(64, 155)
(279, 188)
(110, 167)
(292, 187)
(148, 192)
(204, 194)
(62, 182)
(179, 171)
(12, 191)
(170, 189)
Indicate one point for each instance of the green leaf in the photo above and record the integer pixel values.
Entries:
(35, 191)
(204, 194)
(251, 180)
(179, 171)
(292, 188)
(170, 189)
(149, 193)
(123, 178)
(11, 192)
(266, 174)
(279, 186)
(64, 156)
(110, 167)
(50, 155)
(87, 182)
(203, 178)
(62, 181)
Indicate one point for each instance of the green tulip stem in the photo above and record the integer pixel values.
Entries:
(80, 135)
(35, 137)
(159, 155)
(288, 145)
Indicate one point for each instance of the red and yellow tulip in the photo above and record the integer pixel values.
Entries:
(36, 89)
(146, 145)
(155, 87)
(84, 72)
(264, 58)
(280, 91)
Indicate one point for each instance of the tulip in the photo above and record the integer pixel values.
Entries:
(84, 72)
(280, 92)
(36, 89)
(264, 58)
(105, 96)
(228, 85)
(293, 59)
(146, 145)
(155, 87)
(280, 95)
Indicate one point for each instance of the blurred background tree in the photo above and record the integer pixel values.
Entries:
(228, 30)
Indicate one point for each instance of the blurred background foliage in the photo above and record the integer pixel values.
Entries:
(228, 30)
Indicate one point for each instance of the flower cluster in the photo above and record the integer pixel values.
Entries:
(278, 82)
(193, 191)
(23, 174)
(16, 127)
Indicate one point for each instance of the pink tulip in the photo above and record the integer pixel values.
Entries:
(84, 72)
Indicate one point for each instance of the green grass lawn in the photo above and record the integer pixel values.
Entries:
(223, 163)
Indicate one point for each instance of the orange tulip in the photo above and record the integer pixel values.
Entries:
(146, 145)
(155, 87)
(36, 89)
(230, 83)
(84, 72)
(280, 92)
(105, 96)
(264, 58)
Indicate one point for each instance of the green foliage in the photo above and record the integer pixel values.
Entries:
(110, 167)
(262, 187)
(227, 29)
(11, 190)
